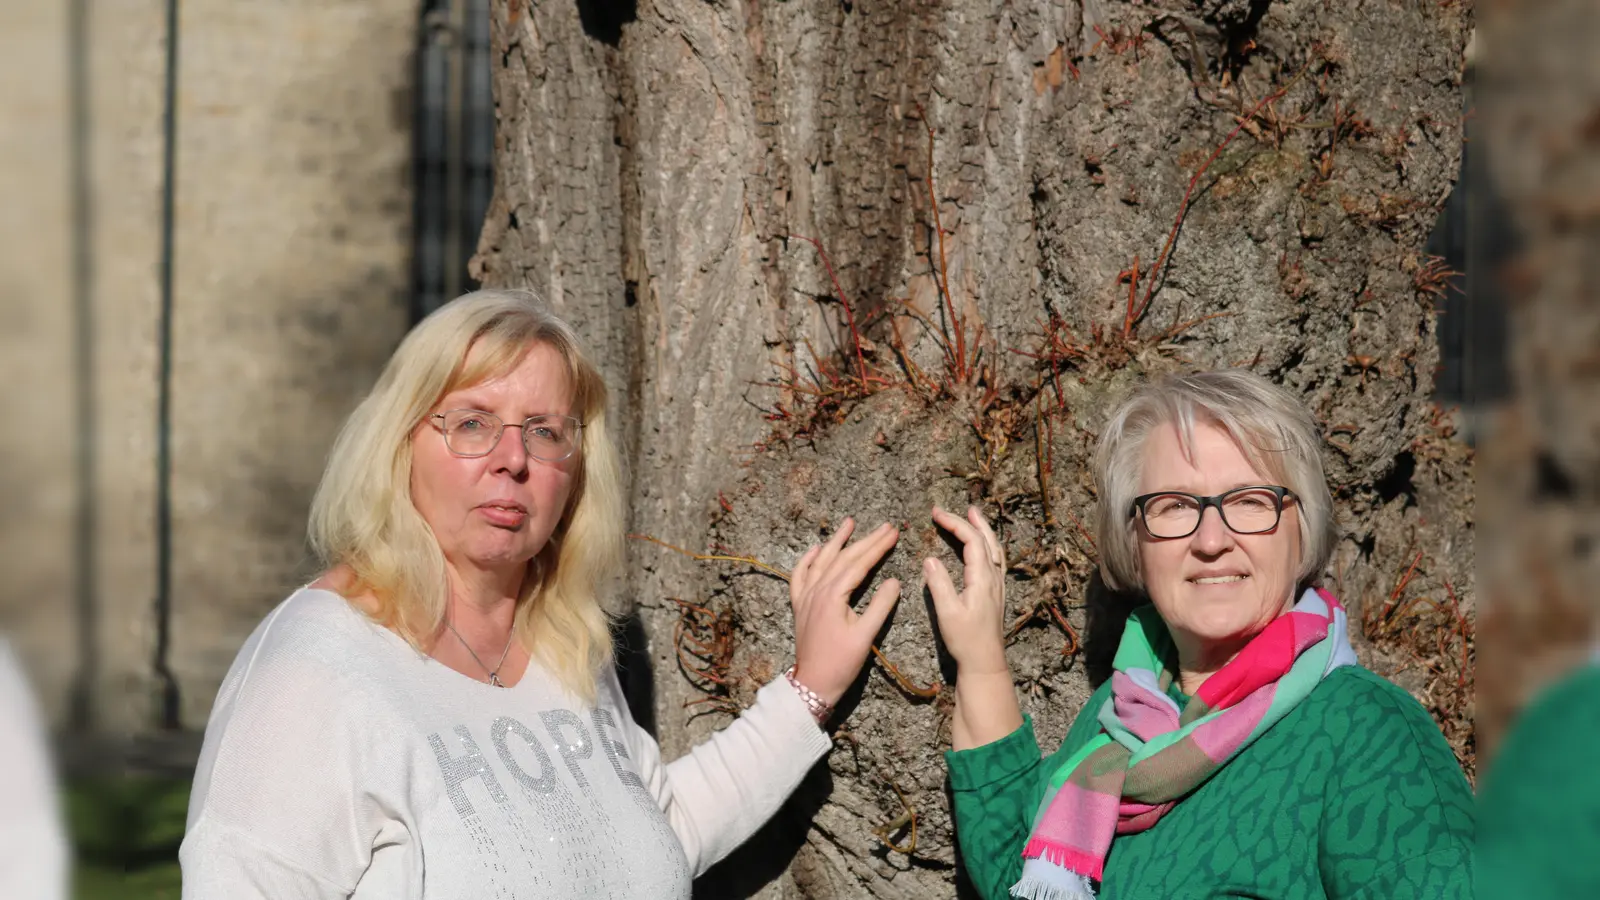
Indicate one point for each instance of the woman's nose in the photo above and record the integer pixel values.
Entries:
(511, 454)
(1211, 536)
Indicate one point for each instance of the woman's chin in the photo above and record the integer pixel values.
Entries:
(500, 558)
(1221, 620)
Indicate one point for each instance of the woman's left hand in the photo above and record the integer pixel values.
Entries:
(831, 640)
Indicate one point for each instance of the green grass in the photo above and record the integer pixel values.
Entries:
(126, 833)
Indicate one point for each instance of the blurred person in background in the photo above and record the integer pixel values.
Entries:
(1539, 798)
(1238, 749)
(33, 843)
(437, 715)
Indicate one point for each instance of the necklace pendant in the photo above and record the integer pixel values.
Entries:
(494, 680)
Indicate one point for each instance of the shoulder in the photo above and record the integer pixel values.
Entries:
(1362, 709)
(314, 624)
(1397, 813)
(313, 641)
(1380, 733)
(305, 691)
(312, 618)
(1372, 703)
(1548, 746)
(1550, 718)
(1537, 824)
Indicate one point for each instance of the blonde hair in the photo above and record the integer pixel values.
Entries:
(362, 516)
(1277, 433)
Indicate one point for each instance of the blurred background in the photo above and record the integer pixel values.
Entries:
(219, 218)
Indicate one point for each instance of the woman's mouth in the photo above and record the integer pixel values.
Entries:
(1219, 579)
(504, 513)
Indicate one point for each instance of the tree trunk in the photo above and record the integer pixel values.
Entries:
(1122, 190)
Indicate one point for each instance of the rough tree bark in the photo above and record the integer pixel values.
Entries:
(653, 163)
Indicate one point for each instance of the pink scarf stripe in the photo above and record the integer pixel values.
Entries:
(1144, 715)
(1087, 863)
(1265, 659)
(1219, 738)
(1069, 823)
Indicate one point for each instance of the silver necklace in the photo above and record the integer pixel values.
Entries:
(494, 674)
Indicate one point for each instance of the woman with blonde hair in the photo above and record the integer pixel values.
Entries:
(436, 715)
(1238, 750)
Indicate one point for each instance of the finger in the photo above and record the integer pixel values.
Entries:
(997, 554)
(800, 578)
(875, 542)
(939, 584)
(975, 550)
(879, 607)
(852, 566)
(961, 528)
(823, 562)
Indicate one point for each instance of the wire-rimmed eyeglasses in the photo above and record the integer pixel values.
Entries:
(473, 433)
(1245, 510)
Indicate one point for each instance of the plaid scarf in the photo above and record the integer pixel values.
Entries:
(1149, 754)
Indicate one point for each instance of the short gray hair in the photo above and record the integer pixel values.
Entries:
(1277, 432)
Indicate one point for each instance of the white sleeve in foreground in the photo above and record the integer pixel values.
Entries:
(724, 789)
(33, 845)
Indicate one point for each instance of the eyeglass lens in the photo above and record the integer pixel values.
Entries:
(470, 432)
(1248, 511)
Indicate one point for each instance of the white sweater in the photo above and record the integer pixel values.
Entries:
(339, 762)
(33, 844)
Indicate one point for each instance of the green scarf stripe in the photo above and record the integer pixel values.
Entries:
(1064, 771)
(1146, 643)
(1301, 678)
(1157, 744)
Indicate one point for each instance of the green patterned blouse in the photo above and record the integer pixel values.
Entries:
(1353, 796)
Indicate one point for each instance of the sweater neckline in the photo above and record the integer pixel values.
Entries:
(429, 665)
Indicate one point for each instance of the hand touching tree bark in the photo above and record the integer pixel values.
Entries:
(972, 625)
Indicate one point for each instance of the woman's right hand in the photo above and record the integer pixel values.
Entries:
(971, 621)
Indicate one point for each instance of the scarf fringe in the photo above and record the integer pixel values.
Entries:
(1062, 857)
(1043, 880)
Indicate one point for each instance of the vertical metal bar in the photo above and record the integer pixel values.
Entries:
(455, 264)
(168, 709)
(85, 524)
(479, 128)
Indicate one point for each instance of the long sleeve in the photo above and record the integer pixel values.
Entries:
(994, 793)
(996, 789)
(33, 846)
(718, 794)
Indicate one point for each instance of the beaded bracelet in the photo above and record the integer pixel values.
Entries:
(820, 708)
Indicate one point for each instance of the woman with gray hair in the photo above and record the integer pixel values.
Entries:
(436, 716)
(1238, 749)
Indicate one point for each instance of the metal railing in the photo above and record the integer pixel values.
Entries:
(453, 146)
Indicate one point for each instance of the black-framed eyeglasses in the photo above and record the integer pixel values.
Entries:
(1245, 510)
(473, 433)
